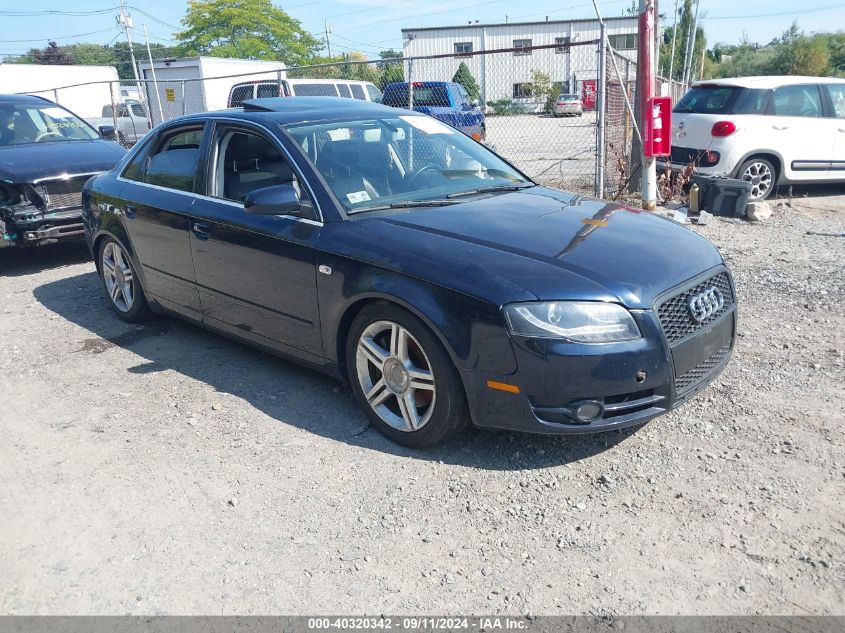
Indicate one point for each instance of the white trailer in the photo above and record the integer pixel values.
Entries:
(199, 84)
(62, 84)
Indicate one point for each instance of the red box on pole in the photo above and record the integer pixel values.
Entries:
(657, 137)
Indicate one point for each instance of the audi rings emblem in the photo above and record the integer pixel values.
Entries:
(705, 304)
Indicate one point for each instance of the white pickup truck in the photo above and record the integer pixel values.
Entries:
(130, 121)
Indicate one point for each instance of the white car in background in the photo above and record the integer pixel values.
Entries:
(568, 105)
(765, 130)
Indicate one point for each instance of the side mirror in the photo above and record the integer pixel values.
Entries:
(276, 200)
(108, 132)
(476, 103)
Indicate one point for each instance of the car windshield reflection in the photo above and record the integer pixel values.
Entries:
(387, 162)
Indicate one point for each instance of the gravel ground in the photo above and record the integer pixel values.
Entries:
(163, 469)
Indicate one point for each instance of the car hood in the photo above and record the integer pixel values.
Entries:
(34, 161)
(552, 244)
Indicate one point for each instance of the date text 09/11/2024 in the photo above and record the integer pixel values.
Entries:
(417, 623)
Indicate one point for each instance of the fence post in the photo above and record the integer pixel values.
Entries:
(184, 104)
(55, 95)
(601, 113)
(279, 83)
(625, 132)
(113, 109)
(410, 84)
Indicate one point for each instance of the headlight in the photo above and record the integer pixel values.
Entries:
(577, 321)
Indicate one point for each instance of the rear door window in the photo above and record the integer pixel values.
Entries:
(314, 90)
(239, 95)
(264, 91)
(343, 89)
(799, 100)
(715, 99)
(174, 163)
(357, 92)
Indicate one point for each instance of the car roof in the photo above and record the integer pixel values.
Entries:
(291, 110)
(766, 83)
(22, 99)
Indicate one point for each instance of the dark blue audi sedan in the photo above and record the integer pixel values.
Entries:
(387, 249)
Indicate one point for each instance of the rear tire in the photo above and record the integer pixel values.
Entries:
(123, 289)
(403, 377)
(762, 175)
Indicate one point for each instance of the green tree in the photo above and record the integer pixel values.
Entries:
(464, 77)
(392, 70)
(798, 54)
(686, 15)
(245, 29)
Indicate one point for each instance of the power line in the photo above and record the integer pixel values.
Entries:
(372, 8)
(26, 14)
(771, 15)
(422, 15)
(61, 37)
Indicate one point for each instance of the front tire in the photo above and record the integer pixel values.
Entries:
(120, 282)
(403, 378)
(762, 175)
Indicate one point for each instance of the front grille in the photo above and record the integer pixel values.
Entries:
(64, 193)
(674, 314)
(698, 373)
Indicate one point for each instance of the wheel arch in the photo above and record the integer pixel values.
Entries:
(773, 157)
(355, 308)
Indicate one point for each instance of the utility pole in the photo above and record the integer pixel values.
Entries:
(691, 71)
(672, 55)
(155, 81)
(645, 89)
(124, 20)
(328, 44)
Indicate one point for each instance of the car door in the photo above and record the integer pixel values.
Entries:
(800, 132)
(160, 191)
(256, 273)
(836, 103)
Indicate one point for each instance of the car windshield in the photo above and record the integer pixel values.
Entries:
(22, 123)
(716, 99)
(569, 97)
(402, 160)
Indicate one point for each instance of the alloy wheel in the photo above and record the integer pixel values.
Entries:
(760, 176)
(395, 376)
(118, 277)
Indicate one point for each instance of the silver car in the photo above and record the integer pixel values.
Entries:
(568, 105)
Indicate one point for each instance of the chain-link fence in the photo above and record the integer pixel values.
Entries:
(538, 106)
(619, 122)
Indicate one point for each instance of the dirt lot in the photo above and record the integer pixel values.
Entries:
(163, 469)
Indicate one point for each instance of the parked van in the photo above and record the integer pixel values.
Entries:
(260, 88)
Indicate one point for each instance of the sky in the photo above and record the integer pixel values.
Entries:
(373, 25)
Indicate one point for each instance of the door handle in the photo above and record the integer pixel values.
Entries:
(130, 212)
(200, 229)
(781, 127)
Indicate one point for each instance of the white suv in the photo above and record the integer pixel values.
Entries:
(766, 130)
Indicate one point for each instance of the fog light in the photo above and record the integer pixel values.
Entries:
(589, 411)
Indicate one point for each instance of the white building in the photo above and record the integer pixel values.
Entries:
(573, 63)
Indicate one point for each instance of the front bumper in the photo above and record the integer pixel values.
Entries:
(27, 225)
(633, 381)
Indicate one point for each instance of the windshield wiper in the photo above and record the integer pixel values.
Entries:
(490, 189)
(408, 204)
